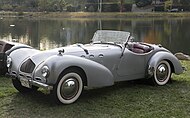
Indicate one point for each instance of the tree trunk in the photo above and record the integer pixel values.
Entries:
(100, 5)
(121, 5)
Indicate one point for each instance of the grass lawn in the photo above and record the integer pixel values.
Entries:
(126, 99)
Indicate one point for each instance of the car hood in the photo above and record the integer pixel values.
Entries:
(75, 50)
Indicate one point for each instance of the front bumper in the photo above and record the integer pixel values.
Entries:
(41, 85)
(31, 82)
(28, 81)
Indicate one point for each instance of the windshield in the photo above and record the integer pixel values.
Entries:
(110, 36)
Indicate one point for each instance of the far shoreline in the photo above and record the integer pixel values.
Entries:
(45, 15)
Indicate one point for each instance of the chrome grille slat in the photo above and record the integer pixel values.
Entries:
(28, 66)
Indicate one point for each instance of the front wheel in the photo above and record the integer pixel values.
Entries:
(162, 73)
(68, 88)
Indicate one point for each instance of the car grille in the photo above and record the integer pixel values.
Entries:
(28, 66)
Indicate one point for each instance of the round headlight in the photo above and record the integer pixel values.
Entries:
(9, 61)
(45, 71)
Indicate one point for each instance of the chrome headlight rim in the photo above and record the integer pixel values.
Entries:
(9, 61)
(45, 71)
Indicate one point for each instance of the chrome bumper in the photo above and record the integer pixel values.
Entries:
(41, 85)
(32, 82)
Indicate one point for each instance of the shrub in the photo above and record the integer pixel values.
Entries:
(70, 8)
(7, 7)
(185, 7)
(159, 8)
(20, 13)
(110, 7)
(91, 7)
(19, 8)
(127, 7)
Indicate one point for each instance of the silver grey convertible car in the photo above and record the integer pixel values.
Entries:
(110, 57)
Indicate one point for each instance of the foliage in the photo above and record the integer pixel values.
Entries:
(72, 5)
(20, 13)
(91, 7)
(185, 2)
(54, 5)
(168, 5)
(61, 5)
(33, 5)
(110, 7)
(7, 7)
(142, 3)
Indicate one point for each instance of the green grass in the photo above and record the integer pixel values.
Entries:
(126, 99)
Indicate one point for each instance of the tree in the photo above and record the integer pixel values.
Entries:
(100, 5)
(185, 2)
(168, 4)
(121, 5)
(143, 3)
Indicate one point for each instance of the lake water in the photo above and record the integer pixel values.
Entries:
(172, 33)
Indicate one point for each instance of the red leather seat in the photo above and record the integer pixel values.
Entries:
(143, 48)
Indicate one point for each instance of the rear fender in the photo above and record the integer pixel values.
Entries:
(97, 74)
(159, 56)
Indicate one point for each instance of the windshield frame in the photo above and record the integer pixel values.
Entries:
(117, 37)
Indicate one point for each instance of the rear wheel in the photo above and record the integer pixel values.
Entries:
(22, 89)
(69, 87)
(162, 73)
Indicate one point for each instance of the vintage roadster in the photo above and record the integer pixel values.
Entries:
(110, 57)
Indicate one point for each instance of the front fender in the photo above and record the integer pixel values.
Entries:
(156, 58)
(97, 74)
(8, 52)
(18, 56)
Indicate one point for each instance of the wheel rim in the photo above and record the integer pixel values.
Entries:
(162, 72)
(69, 88)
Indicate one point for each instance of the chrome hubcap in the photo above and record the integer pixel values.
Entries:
(162, 72)
(69, 88)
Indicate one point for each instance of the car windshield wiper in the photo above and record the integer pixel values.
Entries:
(85, 50)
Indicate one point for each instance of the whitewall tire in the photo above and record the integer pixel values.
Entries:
(69, 88)
(162, 73)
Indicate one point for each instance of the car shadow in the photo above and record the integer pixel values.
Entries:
(43, 97)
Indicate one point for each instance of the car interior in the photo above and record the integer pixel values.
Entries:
(139, 47)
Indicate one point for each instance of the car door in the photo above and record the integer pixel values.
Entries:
(132, 65)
